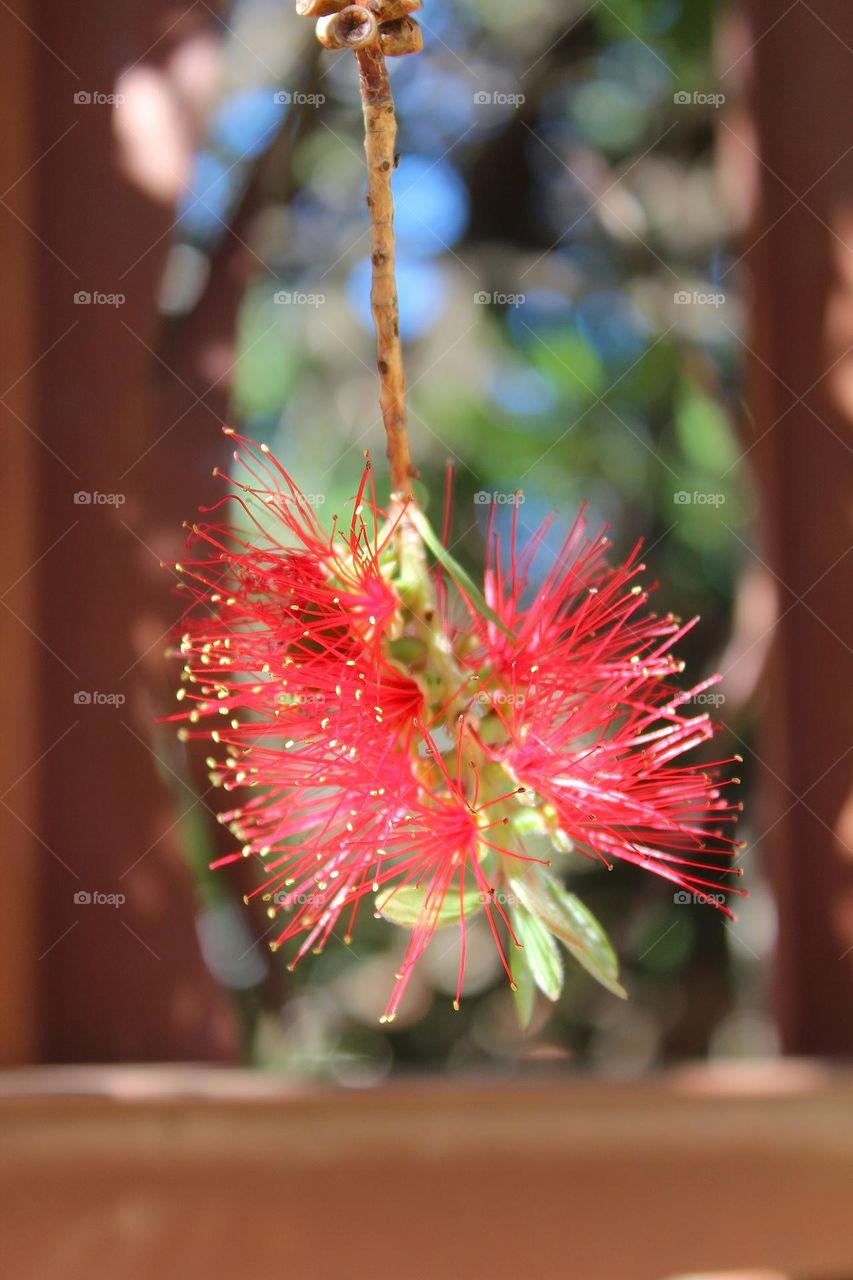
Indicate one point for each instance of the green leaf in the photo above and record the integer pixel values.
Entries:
(524, 990)
(459, 575)
(704, 431)
(596, 953)
(574, 925)
(533, 894)
(540, 952)
(408, 907)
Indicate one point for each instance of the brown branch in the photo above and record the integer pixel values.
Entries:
(372, 30)
(380, 127)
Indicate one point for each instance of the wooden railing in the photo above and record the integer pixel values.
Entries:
(161, 1173)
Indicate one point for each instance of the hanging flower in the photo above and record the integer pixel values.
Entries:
(398, 737)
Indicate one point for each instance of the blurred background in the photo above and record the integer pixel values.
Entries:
(625, 278)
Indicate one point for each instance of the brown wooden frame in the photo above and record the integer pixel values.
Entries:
(202, 1175)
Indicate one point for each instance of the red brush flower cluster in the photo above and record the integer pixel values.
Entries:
(396, 736)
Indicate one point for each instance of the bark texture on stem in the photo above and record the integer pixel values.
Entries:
(380, 126)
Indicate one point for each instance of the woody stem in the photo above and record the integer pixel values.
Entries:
(380, 134)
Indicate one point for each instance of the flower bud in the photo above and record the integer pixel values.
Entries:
(318, 8)
(392, 10)
(353, 28)
(400, 37)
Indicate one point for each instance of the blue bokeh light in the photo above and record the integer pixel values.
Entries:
(422, 292)
(432, 205)
(612, 325)
(522, 392)
(438, 104)
(543, 309)
(204, 206)
(246, 122)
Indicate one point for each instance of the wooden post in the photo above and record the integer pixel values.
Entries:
(800, 257)
(19, 1020)
(96, 814)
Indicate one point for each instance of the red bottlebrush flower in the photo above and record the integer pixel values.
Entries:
(602, 766)
(583, 623)
(434, 766)
(591, 722)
